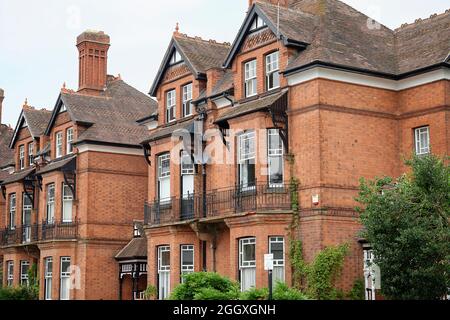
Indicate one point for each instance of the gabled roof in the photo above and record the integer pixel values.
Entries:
(36, 121)
(111, 117)
(135, 249)
(293, 28)
(6, 153)
(199, 55)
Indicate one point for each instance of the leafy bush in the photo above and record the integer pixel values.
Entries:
(150, 293)
(357, 292)
(255, 294)
(206, 286)
(19, 293)
(283, 292)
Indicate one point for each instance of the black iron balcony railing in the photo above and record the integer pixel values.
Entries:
(27, 234)
(218, 203)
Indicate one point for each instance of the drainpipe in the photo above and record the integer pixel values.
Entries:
(214, 249)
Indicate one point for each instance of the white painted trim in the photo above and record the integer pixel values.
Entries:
(222, 102)
(109, 149)
(152, 124)
(366, 80)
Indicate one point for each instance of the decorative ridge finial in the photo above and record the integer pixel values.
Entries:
(177, 29)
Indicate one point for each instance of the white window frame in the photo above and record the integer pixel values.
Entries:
(12, 211)
(246, 264)
(64, 277)
(58, 144)
(274, 152)
(67, 199)
(187, 268)
(22, 157)
(30, 154)
(69, 141)
(419, 133)
(26, 208)
(50, 203)
(171, 105)
(187, 100)
(176, 57)
(10, 273)
(163, 174)
(163, 292)
(272, 71)
(257, 23)
(24, 275)
(48, 278)
(246, 156)
(251, 78)
(278, 263)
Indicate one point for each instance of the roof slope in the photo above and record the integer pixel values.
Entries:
(37, 120)
(135, 249)
(6, 154)
(112, 116)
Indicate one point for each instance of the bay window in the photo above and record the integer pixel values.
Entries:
(250, 78)
(275, 158)
(187, 260)
(59, 144)
(10, 273)
(422, 140)
(12, 211)
(246, 160)
(27, 207)
(171, 103)
(187, 186)
(50, 203)
(67, 199)
(64, 288)
(48, 277)
(24, 267)
(163, 272)
(187, 100)
(247, 263)
(276, 247)
(272, 71)
(164, 177)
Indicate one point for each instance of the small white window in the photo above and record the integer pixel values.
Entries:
(22, 157)
(64, 289)
(422, 140)
(246, 159)
(67, 204)
(171, 106)
(257, 23)
(275, 158)
(69, 141)
(250, 79)
(272, 71)
(164, 177)
(176, 57)
(276, 247)
(187, 260)
(30, 154)
(48, 277)
(247, 263)
(59, 144)
(163, 272)
(27, 207)
(12, 211)
(187, 100)
(24, 267)
(10, 273)
(51, 203)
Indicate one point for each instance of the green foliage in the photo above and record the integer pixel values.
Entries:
(283, 292)
(255, 294)
(357, 292)
(33, 280)
(299, 266)
(150, 293)
(19, 293)
(407, 223)
(324, 271)
(206, 286)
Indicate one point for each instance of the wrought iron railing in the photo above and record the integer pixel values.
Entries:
(45, 231)
(218, 203)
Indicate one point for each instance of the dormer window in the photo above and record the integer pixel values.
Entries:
(22, 157)
(250, 79)
(59, 144)
(171, 101)
(176, 57)
(257, 23)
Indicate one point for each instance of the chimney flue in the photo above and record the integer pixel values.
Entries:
(2, 96)
(93, 61)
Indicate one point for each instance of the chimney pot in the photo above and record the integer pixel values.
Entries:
(93, 49)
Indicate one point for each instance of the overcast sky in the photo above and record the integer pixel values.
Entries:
(37, 38)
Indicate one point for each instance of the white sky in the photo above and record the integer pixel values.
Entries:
(37, 38)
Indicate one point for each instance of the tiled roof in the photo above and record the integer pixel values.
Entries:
(18, 176)
(57, 164)
(37, 120)
(6, 154)
(111, 117)
(167, 131)
(251, 106)
(225, 84)
(136, 248)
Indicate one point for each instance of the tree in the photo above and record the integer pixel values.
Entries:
(407, 223)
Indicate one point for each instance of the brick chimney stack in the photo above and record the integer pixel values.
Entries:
(93, 61)
(2, 96)
(283, 3)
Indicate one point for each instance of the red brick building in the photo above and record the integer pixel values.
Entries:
(79, 182)
(312, 90)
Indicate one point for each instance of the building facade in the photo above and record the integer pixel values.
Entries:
(310, 91)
